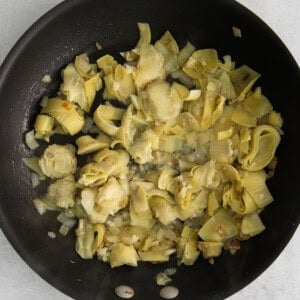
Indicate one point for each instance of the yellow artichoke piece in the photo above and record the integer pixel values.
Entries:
(228, 64)
(275, 119)
(187, 250)
(104, 117)
(150, 67)
(170, 59)
(106, 163)
(92, 175)
(99, 232)
(111, 197)
(73, 87)
(167, 45)
(119, 85)
(201, 61)
(244, 118)
(154, 256)
(165, 179)
(256, 188)
(264, 142)
(83, 66)
(58, 161)
(220, 227)
(257, 104)
(133, 120)
(84, 239)
(43, 125)
(186, 122)
(171, 143)
(204, 176)
(252, 225)
(243, 78)
(162, 210)
(212, 203)
(183, 78)
(89, 238)
(227, 89)
(185, 53)
(145, 34)
(140, 213)
(225, 134)
(194, 207)
(86, 144)
(210, 249)
(62, 192)
(161, 101)
(123, 255)
(239, 203)
(168, 40)
(212, 111)
(92, 86)
(67, 114)
(221, 151)
(107, 64)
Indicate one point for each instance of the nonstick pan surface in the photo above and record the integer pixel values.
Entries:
(73, 27)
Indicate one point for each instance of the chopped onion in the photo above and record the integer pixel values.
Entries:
(35, 181)
(32, 164)
(40, 206)
(66, 221)
(170, 271)
(236, 32)
(44, 101)
(162, 279)
(98, 46)
(63, 230)
(51, 235)
(88, 124)
(31, 141)
(46, 79)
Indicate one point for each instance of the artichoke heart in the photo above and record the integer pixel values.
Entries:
(67, 114)
(264, 142)
(58, 161)
(220, 227)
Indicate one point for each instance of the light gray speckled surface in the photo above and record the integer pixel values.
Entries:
(280, 281)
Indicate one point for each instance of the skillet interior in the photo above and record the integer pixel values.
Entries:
(73, 27)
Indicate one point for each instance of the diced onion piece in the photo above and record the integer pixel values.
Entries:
(40, 206)
(33, 164)
(98, 46)
(51, 234)
(236, 32)
(30, 140)
(46, 79)
(162, 279)
(35, 181)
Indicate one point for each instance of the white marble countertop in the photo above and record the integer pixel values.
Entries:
(279, 281)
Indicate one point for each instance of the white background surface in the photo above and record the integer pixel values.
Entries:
(280, 281)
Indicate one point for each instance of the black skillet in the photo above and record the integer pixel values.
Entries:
(73, 27)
